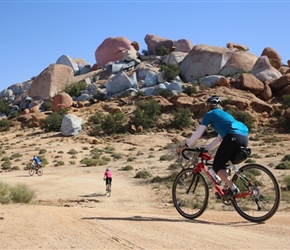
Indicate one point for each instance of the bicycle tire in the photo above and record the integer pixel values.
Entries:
(190, 194)
(40, 172)
(109, 190)
(31, 171)
(264, 201)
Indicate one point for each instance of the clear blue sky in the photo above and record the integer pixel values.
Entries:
(34, 34)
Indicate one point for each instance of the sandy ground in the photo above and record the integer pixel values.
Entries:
(71, 209)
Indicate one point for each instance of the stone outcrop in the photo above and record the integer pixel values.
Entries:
(60, 101)
(51, 81)
(111, 49)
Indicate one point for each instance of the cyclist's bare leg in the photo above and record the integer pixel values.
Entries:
(223, 174)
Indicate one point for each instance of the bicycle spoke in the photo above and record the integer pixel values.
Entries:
(264, 199)
(190, 194)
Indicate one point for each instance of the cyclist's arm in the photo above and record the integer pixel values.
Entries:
(214, 143)
(196, 135)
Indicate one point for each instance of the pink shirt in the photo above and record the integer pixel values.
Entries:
(108, 174)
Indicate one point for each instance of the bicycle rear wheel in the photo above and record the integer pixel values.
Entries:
(264, 201)
(190, 194)
(31, 171)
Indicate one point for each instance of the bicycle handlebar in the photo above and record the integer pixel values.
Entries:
(196, 149)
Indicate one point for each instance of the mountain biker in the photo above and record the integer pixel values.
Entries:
(108, 177)
(37, 162)
(232, 134)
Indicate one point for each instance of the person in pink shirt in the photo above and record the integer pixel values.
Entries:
(108, 177)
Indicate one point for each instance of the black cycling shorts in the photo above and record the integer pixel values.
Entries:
(227, 148)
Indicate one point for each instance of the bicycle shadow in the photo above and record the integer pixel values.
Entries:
(148, 218)
(93, 195)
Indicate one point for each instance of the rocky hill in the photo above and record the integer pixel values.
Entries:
(246, 82)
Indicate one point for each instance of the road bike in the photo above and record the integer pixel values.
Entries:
(108, 188)
(35, 169)
(259, 196)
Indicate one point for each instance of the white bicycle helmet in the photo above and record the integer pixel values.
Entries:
(214, 101)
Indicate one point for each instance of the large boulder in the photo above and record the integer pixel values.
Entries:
(274, 58)
(155, 42)
(60, 101)
(71, 125)
(264, 71)
(111, 49)
(204, 60)
(51, 81)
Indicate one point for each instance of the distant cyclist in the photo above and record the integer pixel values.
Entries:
(37, 161)
(108, 177)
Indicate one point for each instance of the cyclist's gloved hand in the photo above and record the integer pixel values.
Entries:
(181, 148)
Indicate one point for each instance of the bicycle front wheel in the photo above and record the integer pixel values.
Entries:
(40, 172)
(264, 201)
(190, 194)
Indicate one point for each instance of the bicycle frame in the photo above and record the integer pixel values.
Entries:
(201, 166)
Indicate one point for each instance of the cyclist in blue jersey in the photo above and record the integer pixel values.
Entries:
(232, 134)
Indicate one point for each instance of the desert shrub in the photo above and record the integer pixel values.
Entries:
(13, 114)
(93, 162)
(72, 152)
(166, 93)
(244, 117)
(5, 125)
(182, 118)
(146, 113)
(286, 181)
(15, 155)
(53, 121)
(162, 51)
(286, 101)
(170, 71)
(46, 105)
(21, 193)
(284, 123)
(189, 90)
(117, 156)
(166, 158)
(6, 165)
(174, 166)
(72, 162)
(127, 168)
(42, 151)
(283, 165)
(4, 107)
(114, 123)
(286, 158)
(4, 193)
(59, 163)
(130, 159)
(156, 179)
(143, 174)
(75, 89)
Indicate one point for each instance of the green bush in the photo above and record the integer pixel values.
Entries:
(144, 174)
(286, 101)
(286, 158)
(75, 89)
(127, 168)
(4, 193)
(170, 71)
(286, 181)
(114, 123)
(46, 105)
(166, 93)
(162, 51)
(53, 121)
(4, 107)
(244, 117)
(13, 114)
(146, 113)
(5, 125)
(182, 118)
(189, 90)
(21, 193)
(285, 124)
(283, 165)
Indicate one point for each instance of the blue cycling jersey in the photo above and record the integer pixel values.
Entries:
(223, 123)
